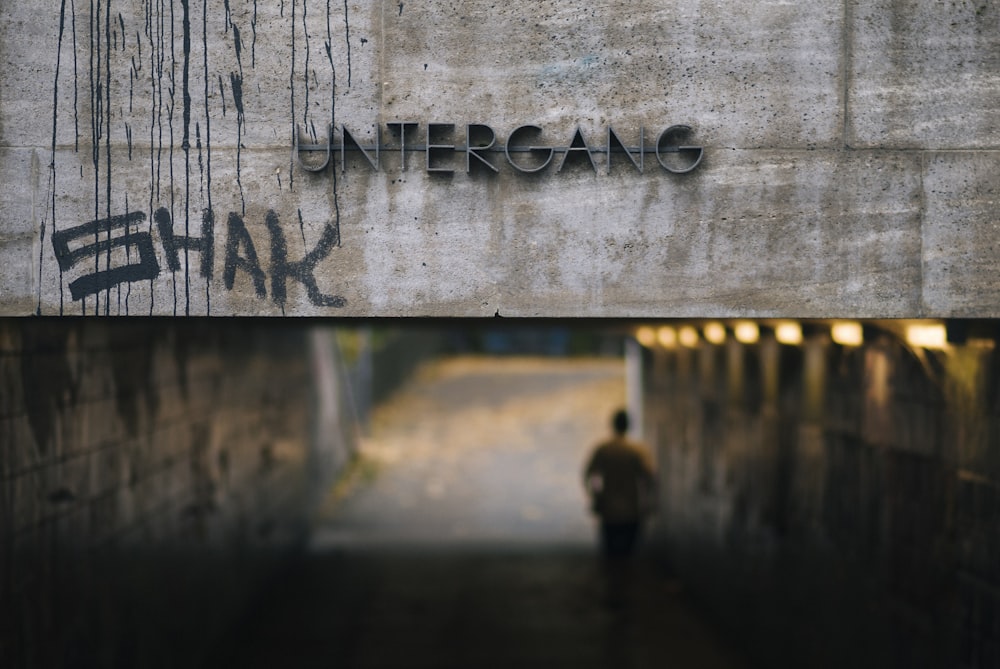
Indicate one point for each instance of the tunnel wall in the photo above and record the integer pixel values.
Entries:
(835, 506)
(154, 474)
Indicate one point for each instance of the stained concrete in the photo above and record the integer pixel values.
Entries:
(826, 133)
(923, 75)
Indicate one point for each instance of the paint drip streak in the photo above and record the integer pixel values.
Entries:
(152, 102)
(236, 82)
(95, 111)
(347, 40)
(160, 51)
(107, 146)
(76, 111)
(208, 136)
(208, 118)
(329, 35)
(186, 145)
(52, 161)
(305, 70)
(128, 258)
(170, 124)
(333, 124)
(253, 42)
(152, 125)
(156, 160)
(291, 85)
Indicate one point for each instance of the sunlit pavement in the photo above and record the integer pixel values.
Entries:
(462, 539)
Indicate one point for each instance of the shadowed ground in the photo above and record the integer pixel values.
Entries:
(461, 539)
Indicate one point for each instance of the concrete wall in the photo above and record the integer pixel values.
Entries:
(835, 506)
(152, 475)
(848, 169)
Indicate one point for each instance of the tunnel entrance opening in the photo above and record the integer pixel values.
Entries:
(462, 534)
(462, 537)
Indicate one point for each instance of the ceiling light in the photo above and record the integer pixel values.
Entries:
(747, 332)
(667, 337)
(715, 333)
(788, 333)
(847, 333)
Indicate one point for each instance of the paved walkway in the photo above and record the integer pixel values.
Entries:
(462, 540)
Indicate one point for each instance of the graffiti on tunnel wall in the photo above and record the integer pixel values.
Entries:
(168, 121)
(98, 239)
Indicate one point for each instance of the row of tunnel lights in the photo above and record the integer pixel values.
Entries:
(845, 333)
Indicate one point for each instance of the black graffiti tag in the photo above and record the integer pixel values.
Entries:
(301, 270)
(104, 235)
(237, 236)
(171, 242)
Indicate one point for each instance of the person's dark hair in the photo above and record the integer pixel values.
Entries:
(620, 421)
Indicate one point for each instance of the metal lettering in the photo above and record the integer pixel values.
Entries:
(672, 154)
(669, 135)
(435, 150)
(299, 147)
(615, 140)
(348, 137)
(403, 127)
(578, 143)
(474, 135)
(533, 130)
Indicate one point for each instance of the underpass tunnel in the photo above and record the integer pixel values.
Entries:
(411, 494)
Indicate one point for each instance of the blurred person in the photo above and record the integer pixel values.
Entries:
(619, 479)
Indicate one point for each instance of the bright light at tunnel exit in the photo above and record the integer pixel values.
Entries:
(927, 335)
(747, 332)
(847, 333)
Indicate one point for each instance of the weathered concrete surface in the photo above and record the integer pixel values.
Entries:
(823, 129)
(924, 74)
(765, 75)
(960, 238)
